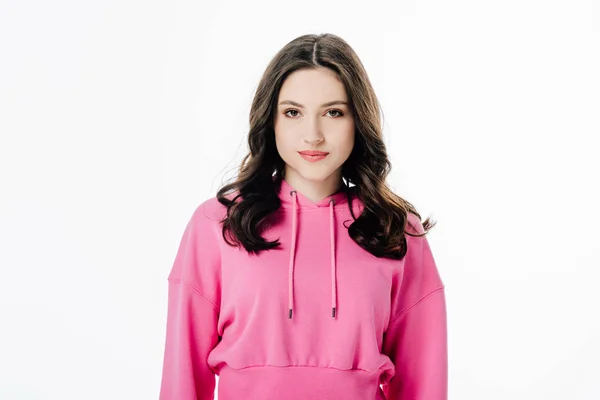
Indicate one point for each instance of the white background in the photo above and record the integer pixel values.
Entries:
(117, 118)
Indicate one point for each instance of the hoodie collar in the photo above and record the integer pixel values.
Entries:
(291, 198)
(339, 197)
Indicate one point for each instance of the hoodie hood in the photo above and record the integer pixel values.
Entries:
(297, 202)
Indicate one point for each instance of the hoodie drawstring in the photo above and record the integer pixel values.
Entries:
(333, 269)
(293, 252)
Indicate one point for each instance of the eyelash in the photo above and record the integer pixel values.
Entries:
(291, 109)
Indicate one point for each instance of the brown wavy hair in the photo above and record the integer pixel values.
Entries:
(380, 227)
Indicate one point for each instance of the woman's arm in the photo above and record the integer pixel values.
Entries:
(416, 337)
(191, 335)
(192, 313)
(416, 342)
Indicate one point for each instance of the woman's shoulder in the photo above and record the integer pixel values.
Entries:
(210, 210)
(414, 223)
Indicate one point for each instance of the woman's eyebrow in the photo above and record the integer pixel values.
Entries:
(330, 103)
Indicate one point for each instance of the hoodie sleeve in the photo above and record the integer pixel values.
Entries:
(416, 337)
(192, 314)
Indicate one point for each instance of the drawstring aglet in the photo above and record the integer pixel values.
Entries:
(333, 312)
(290, 314)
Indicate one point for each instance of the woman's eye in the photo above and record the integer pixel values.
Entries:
(339, 113)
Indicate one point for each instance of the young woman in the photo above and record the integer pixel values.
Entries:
(307, 277)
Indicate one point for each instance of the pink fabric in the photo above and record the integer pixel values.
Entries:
(336, 323)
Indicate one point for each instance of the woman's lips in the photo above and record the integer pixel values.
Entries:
(313, 156)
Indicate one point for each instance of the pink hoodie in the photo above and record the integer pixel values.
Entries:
(318, 318)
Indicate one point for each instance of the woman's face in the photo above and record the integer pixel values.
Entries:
(313, 114)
